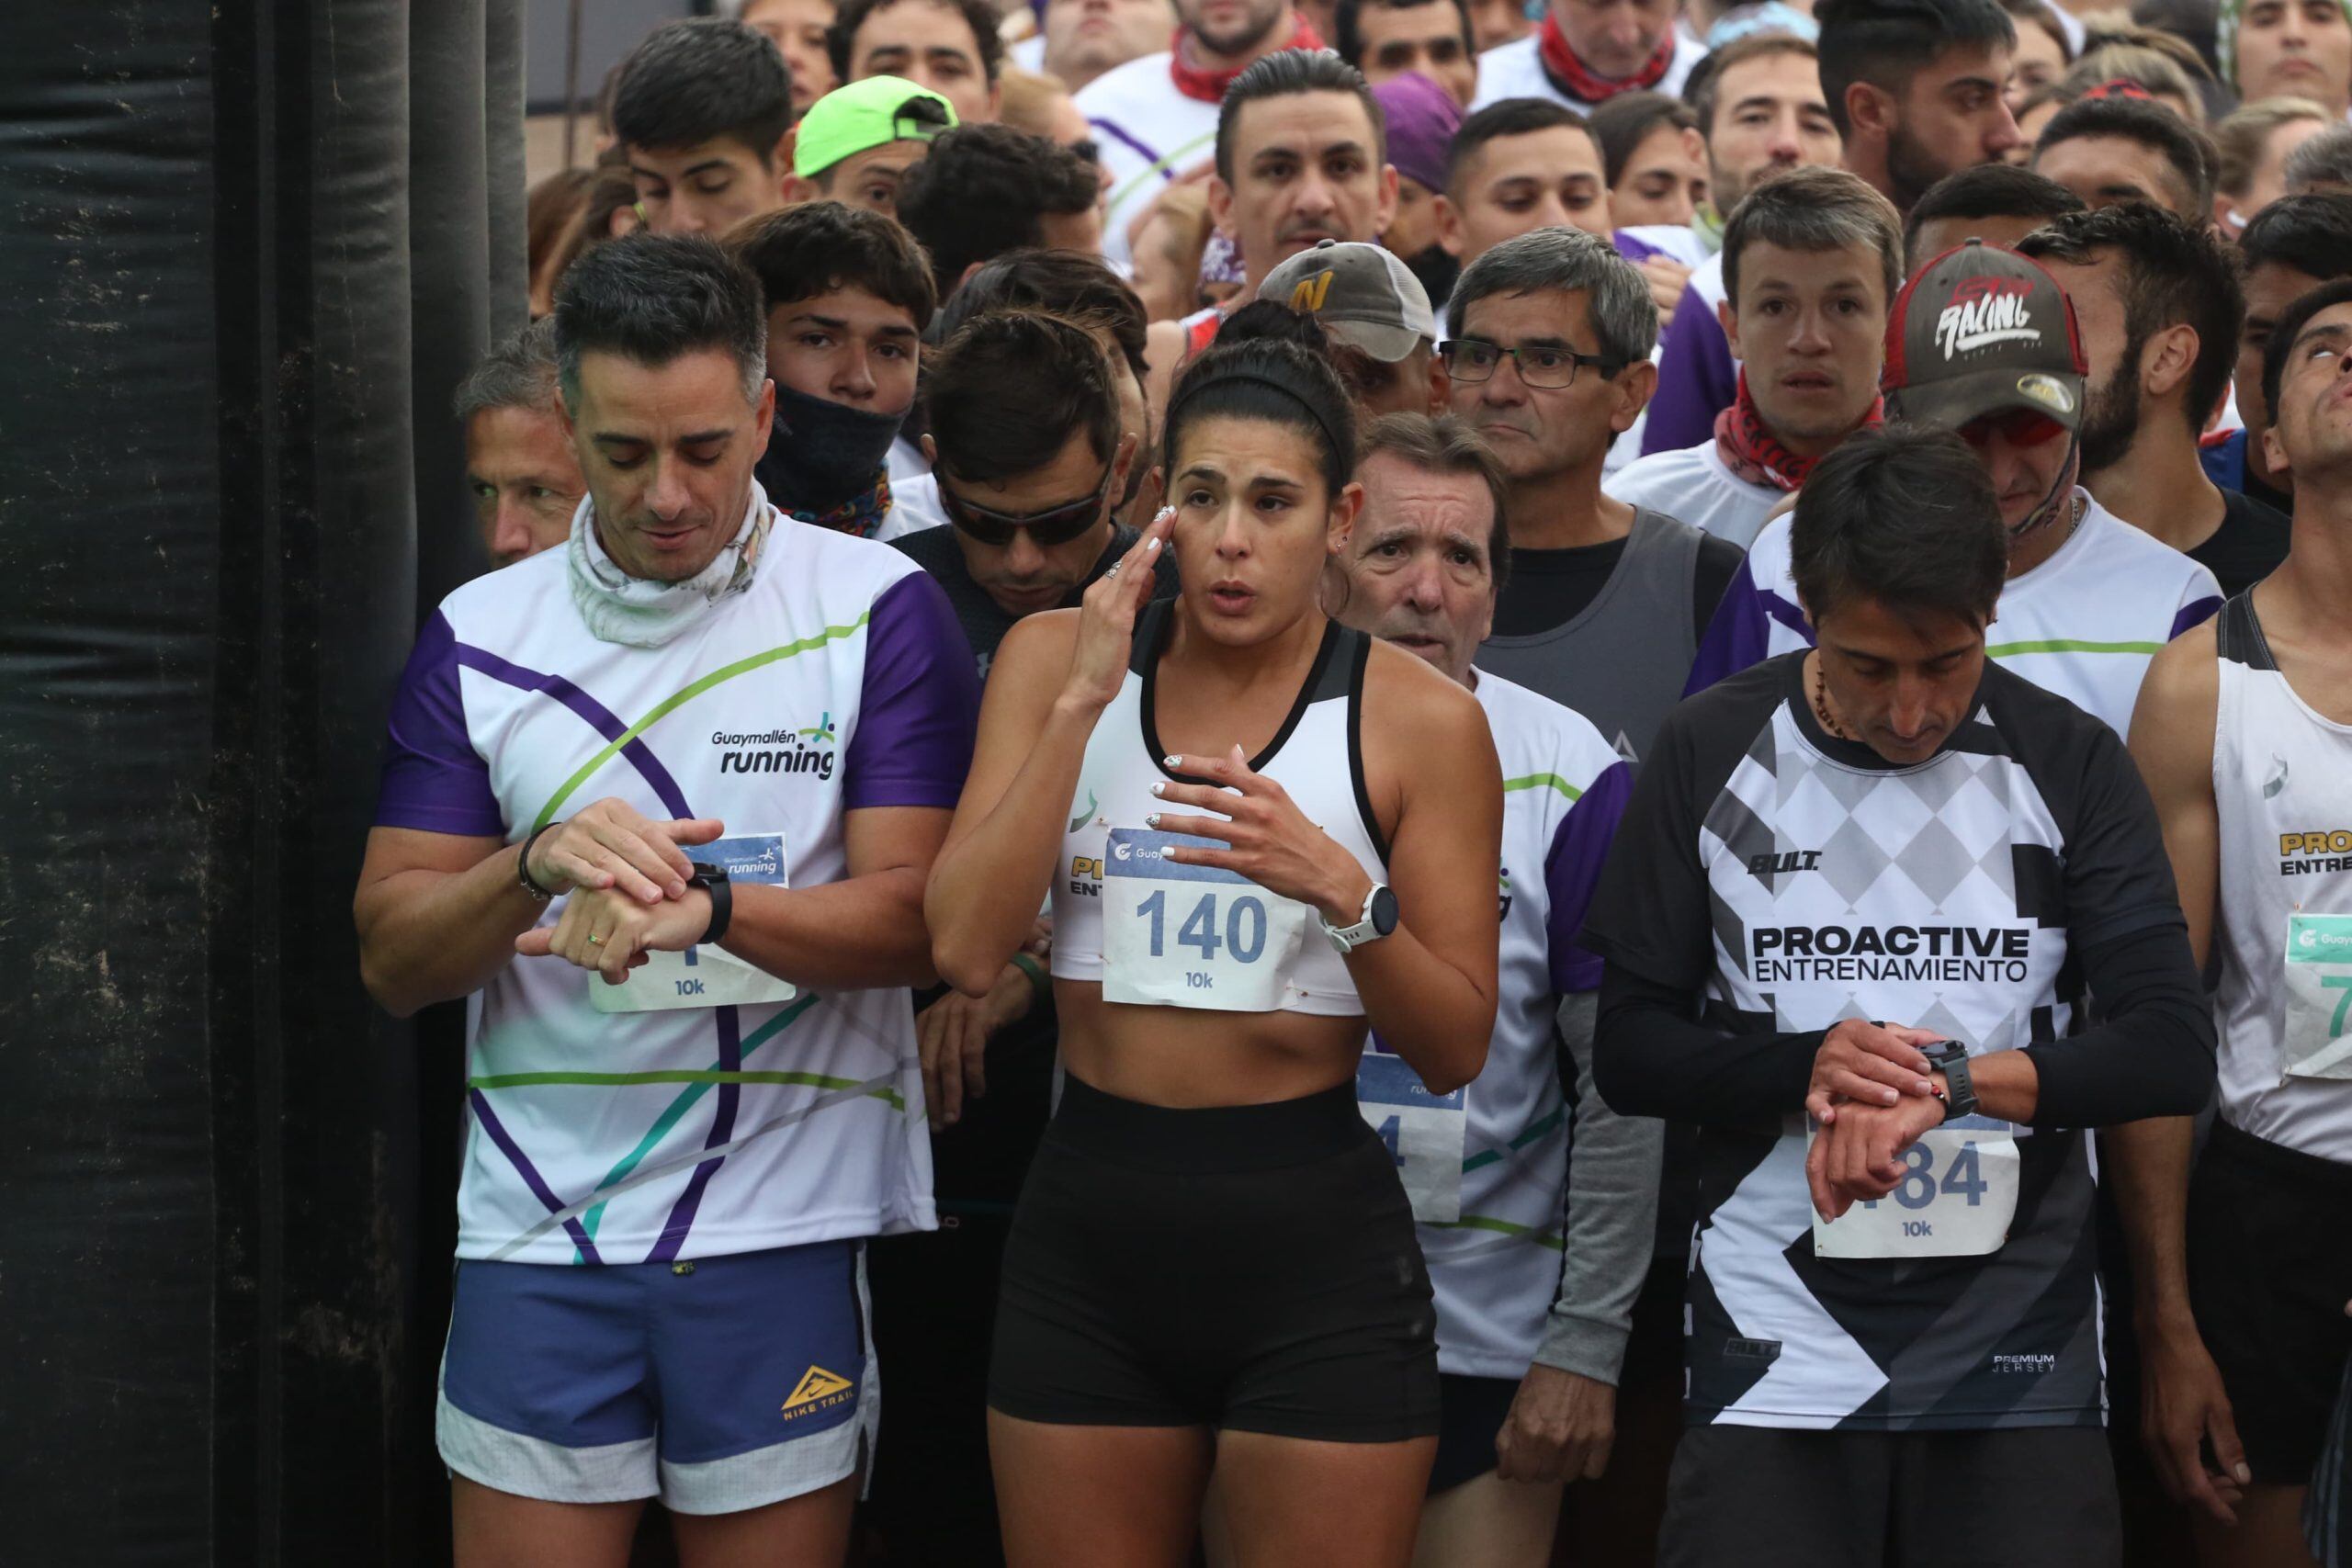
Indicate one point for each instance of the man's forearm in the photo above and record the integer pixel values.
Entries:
(1651, 1057)
(2148, 1164)
(433, 936)
(1613, 1178)
(863, 933)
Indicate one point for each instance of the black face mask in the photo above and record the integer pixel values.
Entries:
(822, 453)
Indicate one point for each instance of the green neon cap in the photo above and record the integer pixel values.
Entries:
(868, 113)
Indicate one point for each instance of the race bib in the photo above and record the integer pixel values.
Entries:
(1956, 1199)
(2318, 969)
(1192, 936)
(706, 977)
(1425, 1133)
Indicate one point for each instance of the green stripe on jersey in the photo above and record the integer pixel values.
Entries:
(1157, 167)
(686, 695)
(2067, 645)
(1539, 781)
(1500, 1227)
(678, 1075)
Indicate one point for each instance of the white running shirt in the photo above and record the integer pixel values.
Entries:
(1515, 70)
(1694, 485)
(838, 681)
(1149, 135)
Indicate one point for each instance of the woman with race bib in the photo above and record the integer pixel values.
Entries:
(1214, 1262)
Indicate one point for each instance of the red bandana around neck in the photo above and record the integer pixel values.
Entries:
(1571, 75)
(1756, 455)
(1208, 86)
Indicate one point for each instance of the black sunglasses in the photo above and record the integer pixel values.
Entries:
(1056, 524)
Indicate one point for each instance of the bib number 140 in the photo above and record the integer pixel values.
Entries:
(1244, 930)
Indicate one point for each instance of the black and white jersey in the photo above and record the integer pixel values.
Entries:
(1789, 881)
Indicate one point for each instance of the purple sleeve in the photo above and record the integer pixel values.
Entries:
(1696, 379)
(920, 704)
(1637, 250)
(1579, 845)
(1738, 636)
(434, 780)
(2196, 613)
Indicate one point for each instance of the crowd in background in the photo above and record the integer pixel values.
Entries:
(999, 249)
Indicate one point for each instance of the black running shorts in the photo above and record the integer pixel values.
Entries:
(1249, 1267)
(2269, 1270)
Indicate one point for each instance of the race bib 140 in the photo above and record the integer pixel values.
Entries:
(1192, 936)
(706, 977)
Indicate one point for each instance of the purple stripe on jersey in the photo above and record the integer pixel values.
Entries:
(433, 780)
(1738, 636)
(1635, 250)
(1572, 869)
(1111, 128)
(1696, 379)
(722, 1130)
(599, 718)
(531, 1178)
(919, 704)
(2194, 614)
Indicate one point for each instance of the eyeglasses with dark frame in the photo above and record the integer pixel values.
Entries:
(1049, 526)
(1546, 366)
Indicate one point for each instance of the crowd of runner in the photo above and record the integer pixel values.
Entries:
(1564, 787)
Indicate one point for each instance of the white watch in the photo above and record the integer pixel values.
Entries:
(1379, 917)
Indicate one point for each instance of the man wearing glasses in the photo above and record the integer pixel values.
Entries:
(1606, 601)
(1031, 458)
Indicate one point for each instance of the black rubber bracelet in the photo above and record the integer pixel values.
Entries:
(523, 867)
(722, 900)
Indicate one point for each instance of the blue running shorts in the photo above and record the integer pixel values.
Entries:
(718, 1385)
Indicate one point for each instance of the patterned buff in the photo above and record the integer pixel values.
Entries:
(861, 514)
(1208, 86)
(1569, 75)
(1756, 455)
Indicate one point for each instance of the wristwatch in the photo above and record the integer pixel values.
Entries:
(712, 879)
(1950, 1057)
(1379, 917)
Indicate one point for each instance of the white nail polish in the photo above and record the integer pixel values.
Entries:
(1153, 820)
(1160, 789)
(1172, 761)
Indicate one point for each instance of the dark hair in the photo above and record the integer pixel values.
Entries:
(1705, 83)
(1507, 117)
(1284, 73)
(692, 81)
(2188, 151)
(840, 38)
(2297, 316)
(1272, 382)
(2312, 234)
(1620, 126)
(1010, 388)
(1078, 288)
(651, 298)
(1903, 514)
(1445, 443)
(1262, 318)
(1886, 43)
(1816, 209)
(2038, 13)
(550, 211)
(2173, 272)
(798, 252)
(1986, 190)
(1347, 27)
(986, 189)
(516, 374)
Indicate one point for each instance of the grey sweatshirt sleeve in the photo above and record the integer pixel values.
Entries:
(1613, 1175)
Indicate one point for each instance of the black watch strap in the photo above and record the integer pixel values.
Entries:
(522, 865)
(1960, 1085)
(712, 879)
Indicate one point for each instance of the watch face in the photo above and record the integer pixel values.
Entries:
(1383, 910)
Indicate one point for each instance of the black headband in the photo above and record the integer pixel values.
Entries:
(1338, 448)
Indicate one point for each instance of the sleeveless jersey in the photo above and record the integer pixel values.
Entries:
(837, 681)
(2282, 788)
(1150, 134)
(1496, 1270)
(1314, 757)
(1620, 660)
(2084, 624)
